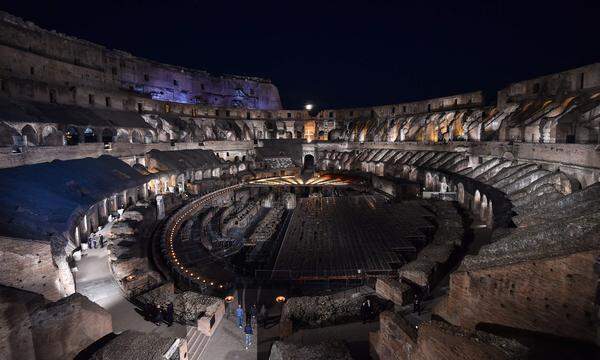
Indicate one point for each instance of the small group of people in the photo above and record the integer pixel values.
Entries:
(244, 321)
(96, 240)
(159, 314)
(247, 318)
(366, 311)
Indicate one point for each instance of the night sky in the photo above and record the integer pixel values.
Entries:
(343, 53)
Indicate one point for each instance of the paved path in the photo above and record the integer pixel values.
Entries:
(95, 281)
(227, 343)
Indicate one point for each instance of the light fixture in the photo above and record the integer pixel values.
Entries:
(308, 106)
(280, 299)
(229, 298)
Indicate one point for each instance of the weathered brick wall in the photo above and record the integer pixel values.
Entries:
(438, 340)
(28, 265)
(396, 339)
(552, 295)
(435, 340)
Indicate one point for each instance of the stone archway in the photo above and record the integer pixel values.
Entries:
(89, 135)
(309, 161)
(72, 136)
(137, 137)
(108, 135)
(30, 136)
(461, 194)
(483, 210)
(122, 136)
(476, 201)
(52, 137)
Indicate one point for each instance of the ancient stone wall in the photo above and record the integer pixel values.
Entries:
(33, 328)
(133, 152)
(434, 340)
(28, 265)
(584, 77)
(31, 52)
(550, 295)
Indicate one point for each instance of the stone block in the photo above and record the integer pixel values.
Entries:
(393, 290)
(33, 328)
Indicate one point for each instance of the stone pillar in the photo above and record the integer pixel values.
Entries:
(160, 207)
(290, 201)
(65, 275)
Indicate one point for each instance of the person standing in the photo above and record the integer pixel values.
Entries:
(253, 311)
(248, 333)
(239, 313)
(364, 312)
(170, 314)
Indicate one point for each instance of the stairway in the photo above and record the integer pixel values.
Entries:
(196, 343)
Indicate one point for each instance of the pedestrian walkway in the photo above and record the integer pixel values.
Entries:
(95, 281)
(228, 343)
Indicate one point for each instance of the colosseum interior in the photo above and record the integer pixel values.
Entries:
(144, 205)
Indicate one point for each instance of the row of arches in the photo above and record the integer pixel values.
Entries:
(52, 135)
(478, 203)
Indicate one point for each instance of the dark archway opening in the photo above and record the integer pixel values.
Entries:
(89, 136)
(72, 136)
(29, 133)
(107, 136)
(309, 162)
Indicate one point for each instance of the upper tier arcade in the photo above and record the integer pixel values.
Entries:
(36, 56)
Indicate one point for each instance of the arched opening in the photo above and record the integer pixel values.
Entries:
(461, 193)
(136, 137)
(298, 134)
(490, 214)
(52, 137)
(334, 135)
(72, 136)
(288, 135)
(89, 135)
(29, 135)
(172, 181)
(236, 159)
(108, 135)
(149, 137)
(122, 136)
(309, 161)
(444, 184)
(216, 172)
(428, 181)
(476, 201)
(484, 205)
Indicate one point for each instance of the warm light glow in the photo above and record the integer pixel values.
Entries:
(280, 299)
(229, 298)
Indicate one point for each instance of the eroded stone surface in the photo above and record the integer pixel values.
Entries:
(36, 329)
(335, 350)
